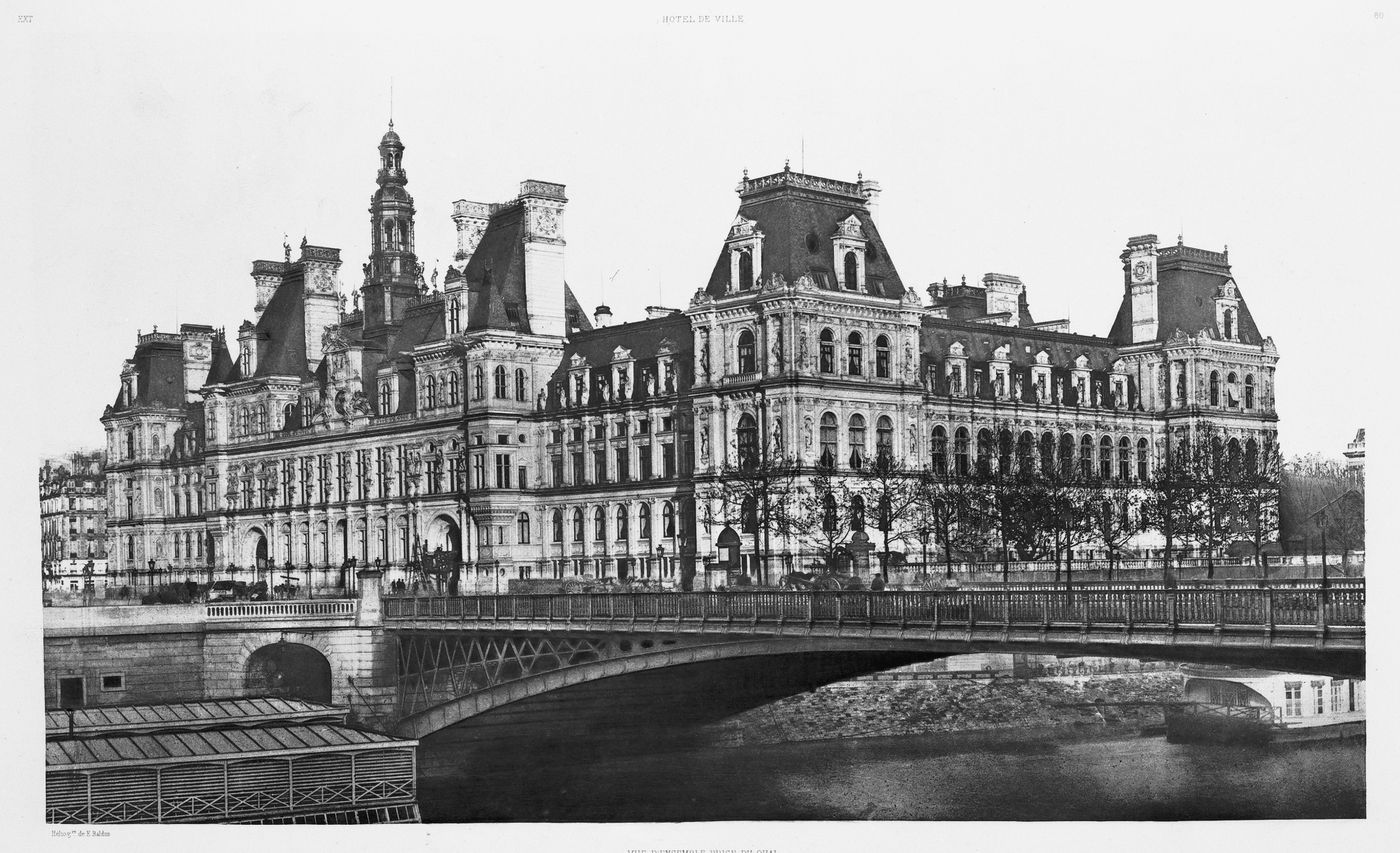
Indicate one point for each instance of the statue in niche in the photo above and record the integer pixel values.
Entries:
(704, 444)
(649, 382)
(1059, 388)
(807, 431)
(1001, 384)
(928, 378)
(622, 385)
(778, 434)
(605, 390)
(705, 357)
(1181, 388)
(777, 346)
(341, 300)
(802, 348)
(540, 399)
(1040, 392)
(1020, 386)
(563, 396)
(366, 269)
(910, 366)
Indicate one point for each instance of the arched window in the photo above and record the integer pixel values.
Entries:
(1251, 457)
(1025, 454)
(1229, 324)
(644, 522)
(984, 452)
(1124, 459)
(430, 393)
(1215, 387)
(852, 283)
(556, 526)
(668, 520)
(855, 354)
(600, 525)
(855, 435)
(1086, 456)
(939, 451)
(882, 357)
(748, 441)
(1249, 391)
(857, 513)
(1235, 458)
(622, 523)
(522, 528)
(499, 374)
(746, 359)
(478, 383)
(1232, 394)
(454, 316)
(1066, 455)
(454, 389)
(1142, 459)
(520, 388)
(1105, 458)
(1004, 453)
(578, 525)
(131, 445)
(884, 438)
(289, 417)
(960, 460)
(243, 421)
(745, 270)
(1047, 454)
(829, 512)
(386, 399)
(827, 347)
(828, 437)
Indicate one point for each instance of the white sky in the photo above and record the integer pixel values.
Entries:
(170, 149)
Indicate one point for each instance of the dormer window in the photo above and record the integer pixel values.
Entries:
(454, 315)
(851, 268)
(849, 250)
(746, 355)
(1229, 324)
(745, 245)
(745, 270)
(384, 397)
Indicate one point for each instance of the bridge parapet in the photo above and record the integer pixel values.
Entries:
(282, 610)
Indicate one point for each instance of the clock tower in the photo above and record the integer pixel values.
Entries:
(391, 276)
(1140, 279)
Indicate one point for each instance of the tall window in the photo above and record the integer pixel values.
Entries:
(1229, 324)
(1086, 456)
(600, 525)
(556, 526)
(1142, 459)
(385, 399)
(644, 522)
(430, 393)
(855, 354)
(668, 519)
(1105, 458)
(960, 461)
(454, 316)
(746, 359)
(499, 374)
(851, 268)
(828, 437)
(882, 357)
(1248, 391)
(748, 441)
(884, 438)
(855, 435)
(522, 528)
(1215, 388)
(1066, 455)
(502, 470)
(478, 383)
(1231, 395)
(578, 525)
(826, 347)
(857, 513)
(520, 389)
(621, 522)
(745, 270)
(1124, 462)
(1025, 454)
(939, 450)
(454, 389)
(984, 451)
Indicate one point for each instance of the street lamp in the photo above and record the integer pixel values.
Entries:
(660, 562)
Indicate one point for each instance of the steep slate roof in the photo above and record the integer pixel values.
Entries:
(642, 338)
(281, 330)
(160, 374)
(788, 207)
(1187, 281)
(495, 275)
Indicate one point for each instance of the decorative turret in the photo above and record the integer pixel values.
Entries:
(1140, 280)
(391, 276)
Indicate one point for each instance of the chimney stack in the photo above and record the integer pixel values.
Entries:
(602, 317)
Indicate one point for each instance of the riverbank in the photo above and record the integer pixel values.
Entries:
(860, 709)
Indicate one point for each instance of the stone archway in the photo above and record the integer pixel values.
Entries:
(288, 670)
(256, 552)
(444, 550)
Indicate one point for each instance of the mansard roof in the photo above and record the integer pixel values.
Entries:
(1187, 281)
(281, 332)
(643, 339)
(788, 207)
(160, 373)
(495, 275)
(980, 340)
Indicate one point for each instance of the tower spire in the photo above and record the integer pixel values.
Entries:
(391, 103)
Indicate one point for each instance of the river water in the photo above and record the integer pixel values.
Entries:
(1018, 775)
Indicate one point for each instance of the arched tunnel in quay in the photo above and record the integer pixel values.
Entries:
(487, 699)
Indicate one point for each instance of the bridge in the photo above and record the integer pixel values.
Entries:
(513, 666)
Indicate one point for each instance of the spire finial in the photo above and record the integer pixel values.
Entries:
(860, 176)
(746, 174)
(286, 249)
(787, 164)
(391, 103)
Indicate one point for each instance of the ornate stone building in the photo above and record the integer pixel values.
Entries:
(73, 519)
(492, 419)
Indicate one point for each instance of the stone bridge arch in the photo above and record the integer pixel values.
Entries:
(289, 671)
(231, 661)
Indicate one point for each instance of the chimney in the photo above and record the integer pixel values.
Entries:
(656, 312)
(602, 317)
(267, 276)
(320, 268)
(1140, 281)
(198, 344)
(471, 218)
(1004, 295)
(544, 256)
(870, 191)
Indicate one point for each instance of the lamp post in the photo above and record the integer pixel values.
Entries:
(660, 562)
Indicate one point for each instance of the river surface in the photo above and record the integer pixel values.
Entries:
(1018, 775)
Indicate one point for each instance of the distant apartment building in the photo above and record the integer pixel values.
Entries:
(73, 519)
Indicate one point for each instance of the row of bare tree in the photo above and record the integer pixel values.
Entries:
(1208, 492)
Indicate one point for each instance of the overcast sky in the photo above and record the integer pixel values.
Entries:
(170, 150)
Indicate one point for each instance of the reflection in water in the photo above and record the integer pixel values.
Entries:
(931, 777)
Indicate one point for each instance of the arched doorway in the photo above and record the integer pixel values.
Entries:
(255, 552)
(729, 546)
(289, 670)
(444, 556)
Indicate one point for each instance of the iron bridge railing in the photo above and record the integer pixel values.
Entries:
(1284, 609)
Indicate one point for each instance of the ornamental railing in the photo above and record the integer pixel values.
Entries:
(282, 609)
(1170, 609)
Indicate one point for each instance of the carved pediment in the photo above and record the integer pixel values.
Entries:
(1119, 366)
(1002, 353)
(621, 354)
(666, 347)
(743, 227)
(578, 361)
(957, 350)
(1081, 362)
(850, 227)
(1042, 357)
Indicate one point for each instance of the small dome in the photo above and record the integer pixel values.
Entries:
(390, 138)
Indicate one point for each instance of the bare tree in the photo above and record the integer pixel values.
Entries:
(1257, 498)
(891, 488)
(756, 491)
(824, 515)
(1114, 513)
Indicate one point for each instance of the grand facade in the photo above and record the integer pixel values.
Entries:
(491, 418)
